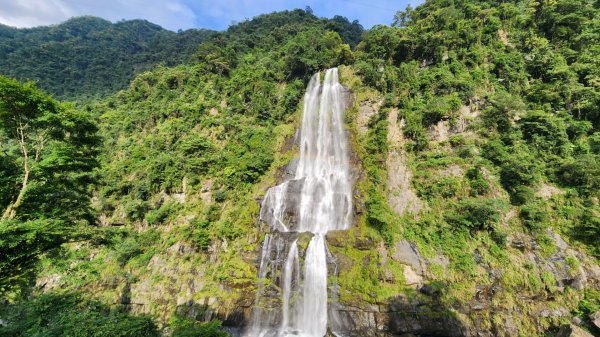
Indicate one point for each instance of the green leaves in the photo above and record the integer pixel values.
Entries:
(88, 57)
(314, 50)
(69, 314)
(477, 214)
(545, 132)
(48, 167)
(21, 243)
(215, 59)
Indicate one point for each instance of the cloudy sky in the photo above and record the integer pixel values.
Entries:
(184, 14)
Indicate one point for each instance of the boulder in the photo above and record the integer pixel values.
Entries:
(411, 277)
(365, 243)
(337, 238)
(570, 330)
(595, 318)
(407, 254)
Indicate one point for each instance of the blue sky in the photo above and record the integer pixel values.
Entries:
(184, 14)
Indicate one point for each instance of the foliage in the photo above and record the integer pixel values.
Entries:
(188, 328)
(188, 149)
(69, 314)
(49, 152)
(477, 214)
(89, 56)
(519, 82)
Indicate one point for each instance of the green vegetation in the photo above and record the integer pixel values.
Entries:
(497, 103)
(48, 152)
(527, 68)
(184, 152)
(90, 57)
(514, 86)
(58, 314)
(189, 328)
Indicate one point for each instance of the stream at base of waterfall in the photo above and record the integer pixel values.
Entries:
(316, 200)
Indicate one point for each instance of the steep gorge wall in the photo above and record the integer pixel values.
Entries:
(384, 287)
(414, 296)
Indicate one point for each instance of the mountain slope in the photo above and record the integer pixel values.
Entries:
(89, 56)
(186, 151)
(475, 139)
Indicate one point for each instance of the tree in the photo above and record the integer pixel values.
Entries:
(217, 60)
(48, 154)
(403, 18)
(311, 51)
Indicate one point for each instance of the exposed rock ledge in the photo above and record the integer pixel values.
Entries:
(401, 196)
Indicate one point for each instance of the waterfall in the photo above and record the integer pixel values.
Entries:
(318, 199)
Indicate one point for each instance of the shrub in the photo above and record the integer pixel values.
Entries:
(534, 216)
(477, 214)
(379, 215)
(69, 314)
(220, 195)
(582, 172)
(135, 209)
(499, 236)
(189, 328)
(479, 185)
(201, 238)
(200, 234)
(157, 216)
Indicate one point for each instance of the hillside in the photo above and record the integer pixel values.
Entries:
(475, 152)
(89, 56)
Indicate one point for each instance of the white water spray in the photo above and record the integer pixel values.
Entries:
(317, 200)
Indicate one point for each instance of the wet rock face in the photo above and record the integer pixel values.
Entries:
(280, 206)
(398, 318)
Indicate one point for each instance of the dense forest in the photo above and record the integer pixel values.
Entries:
(475, 131)
(91, 57)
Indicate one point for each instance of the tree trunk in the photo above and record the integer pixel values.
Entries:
(10, 211)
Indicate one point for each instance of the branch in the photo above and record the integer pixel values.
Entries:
(40, 145)
(10, 211)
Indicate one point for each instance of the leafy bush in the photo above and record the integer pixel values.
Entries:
(534, 216)
(135, 209)
(545, 132)
(158, 216)
(479, 185)
(379, 215)
(582, 172)
(477, 214)
(188, 328)
(69, 314)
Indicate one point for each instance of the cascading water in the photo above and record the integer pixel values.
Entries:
(318, 199)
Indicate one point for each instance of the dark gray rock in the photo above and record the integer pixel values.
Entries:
(407, 253)
(570, 330)
(365, 243)
(595, 318)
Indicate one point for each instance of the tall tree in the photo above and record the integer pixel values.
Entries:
(47, 154)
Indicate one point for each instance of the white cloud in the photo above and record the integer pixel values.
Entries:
(171, 14)
(28, 13)
(176, 14)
